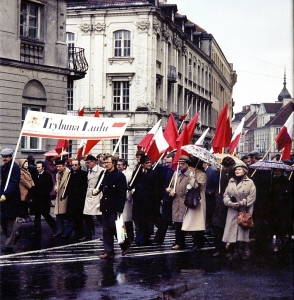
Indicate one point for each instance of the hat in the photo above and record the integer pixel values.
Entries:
(144, 159)
(140, 152)
(59, 162)
(91, 157)
(7, 152)
(228, 161)
(185, 159)
(255, 154)
(240, 164)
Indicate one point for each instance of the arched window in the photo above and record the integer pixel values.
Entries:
(122, 43)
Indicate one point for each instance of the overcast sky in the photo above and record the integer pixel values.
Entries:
(256, 36)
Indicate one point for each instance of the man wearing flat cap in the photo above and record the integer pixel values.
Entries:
(10, 198)
(145, 198)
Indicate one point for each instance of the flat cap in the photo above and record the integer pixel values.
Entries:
(185, 159)
(254, 153)
(228, 161)
(7, 151)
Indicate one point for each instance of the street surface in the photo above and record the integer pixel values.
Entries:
(54, 268)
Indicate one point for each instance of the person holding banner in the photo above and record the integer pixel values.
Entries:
(113, 188)
(10, 198)
(62, 177)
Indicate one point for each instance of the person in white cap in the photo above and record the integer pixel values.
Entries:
(10, 198)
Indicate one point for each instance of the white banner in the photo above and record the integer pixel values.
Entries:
(55, 126)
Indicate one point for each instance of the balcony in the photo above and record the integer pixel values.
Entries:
(77, 63)
(172, 74)
(32, 52)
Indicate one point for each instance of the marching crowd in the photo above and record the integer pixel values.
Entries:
(150, 196)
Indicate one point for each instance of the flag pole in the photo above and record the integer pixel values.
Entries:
(13, 160)
(185, 118)
(264, 156)
(133, 179)
(158, 161)
(176, 179)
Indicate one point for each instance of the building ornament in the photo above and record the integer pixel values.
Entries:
(177, 42)
(166, 35)
(143, 25)
(156, 27)
(85, 27)
(99, 26)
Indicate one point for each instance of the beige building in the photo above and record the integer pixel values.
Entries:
(145, 61)
(34, 70)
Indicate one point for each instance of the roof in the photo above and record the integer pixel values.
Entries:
(284, 93)
(282, 116)
(197, 27)
(272, 108)
(251, 122)
(103, 3)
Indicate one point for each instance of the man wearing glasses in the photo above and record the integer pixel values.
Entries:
(113, 188)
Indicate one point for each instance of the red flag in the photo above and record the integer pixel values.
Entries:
(81, 111)
(171, 133)
(236, 137)
(183, 117)
(284, 138)
(80, 151)
(145, 142)
(222, 136)
(61, 145)
(91, 143)
(158, 146)
(184, 139)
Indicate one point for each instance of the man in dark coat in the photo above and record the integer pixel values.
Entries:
(42, 199)
(220, 212)
(10, 198)
(145, 200)
(76, 192)
(114, 188)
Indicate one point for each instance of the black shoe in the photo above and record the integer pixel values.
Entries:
(127, 249)
(84, 239)
(7, 249)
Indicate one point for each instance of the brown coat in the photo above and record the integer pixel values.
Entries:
(60, 205)
(194, 219)
(178, 207)
(26, 181)
(245, 192)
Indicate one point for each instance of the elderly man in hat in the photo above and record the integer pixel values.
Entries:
(178, 191)
(220, 211)
(145, 198)
(10, 198)
(62, 177)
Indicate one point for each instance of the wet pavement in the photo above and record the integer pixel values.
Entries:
(55, 268)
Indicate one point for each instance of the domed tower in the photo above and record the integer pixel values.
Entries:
(284, 93)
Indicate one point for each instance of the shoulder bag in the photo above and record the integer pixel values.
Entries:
(193, 198)
(244, 219)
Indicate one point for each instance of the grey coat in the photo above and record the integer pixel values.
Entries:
(60, 186)
(245, 192)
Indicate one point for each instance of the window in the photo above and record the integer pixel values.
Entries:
(69, 94)
(122, 148)
(70, 40)
(122, 43)
(27, 142)
(30, 20)
(121, 95)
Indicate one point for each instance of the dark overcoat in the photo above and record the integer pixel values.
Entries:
(11, 206)
(41, 194)
(76, 194)
(114, 188)
(145, 196)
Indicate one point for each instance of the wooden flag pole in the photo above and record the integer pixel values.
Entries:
(158, 161)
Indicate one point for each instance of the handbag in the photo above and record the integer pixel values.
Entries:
(193, 197)
(120, 229)
(244, 219)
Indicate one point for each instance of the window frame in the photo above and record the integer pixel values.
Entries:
(122, 45)
(123, 147)
(27, 140)
(25, 17)
(120, 105)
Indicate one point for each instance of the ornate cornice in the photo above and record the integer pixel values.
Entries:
(177, 42)
(143, 25)
(99, 26)
(156, 27)
(167, 37)
(85, 27)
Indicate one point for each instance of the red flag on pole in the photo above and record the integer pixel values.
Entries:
(222, 136)
(91, 143)
(81, 111)
(61, 145)
(284, 138)
(171, 133)
(158, 146)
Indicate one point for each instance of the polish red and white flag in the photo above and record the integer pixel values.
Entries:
(236, 137)
(145, 142)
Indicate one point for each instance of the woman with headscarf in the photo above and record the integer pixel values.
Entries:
(239, 194)
(194, 218)
(25, 185)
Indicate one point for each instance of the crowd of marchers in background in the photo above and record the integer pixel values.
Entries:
(150, 199)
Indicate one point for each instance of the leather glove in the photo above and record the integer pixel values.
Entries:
(3, 198)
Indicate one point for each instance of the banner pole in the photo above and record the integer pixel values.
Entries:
(13, 160)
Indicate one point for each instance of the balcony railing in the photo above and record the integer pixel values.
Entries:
(32, 52)
(77, 62)
(172, 74)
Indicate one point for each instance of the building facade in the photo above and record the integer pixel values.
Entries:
(34, 72)
(146, 61)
